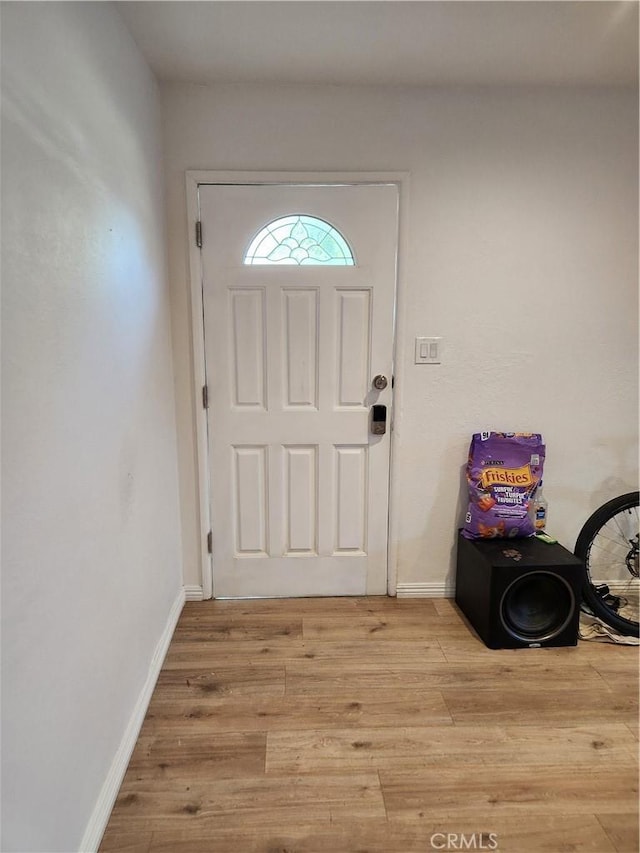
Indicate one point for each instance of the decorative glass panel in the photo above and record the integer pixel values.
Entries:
(299, 239)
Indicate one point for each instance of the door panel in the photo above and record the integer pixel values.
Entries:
(301, 507)
(250, 490)
(351, 503)
(299, 484)
(354, 324)
(248, 358)
(300, 348)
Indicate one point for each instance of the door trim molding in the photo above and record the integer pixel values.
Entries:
(193, 592)
(196, 178)
(435, 589)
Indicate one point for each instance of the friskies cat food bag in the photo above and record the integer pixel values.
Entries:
(503, 473)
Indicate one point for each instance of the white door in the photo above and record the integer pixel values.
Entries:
(298, 320)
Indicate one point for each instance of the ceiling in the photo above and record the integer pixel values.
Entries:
(389, 42)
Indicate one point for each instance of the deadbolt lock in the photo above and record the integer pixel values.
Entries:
(380, 382)
(378, 420)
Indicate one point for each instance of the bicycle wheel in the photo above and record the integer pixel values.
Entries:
(608, 546)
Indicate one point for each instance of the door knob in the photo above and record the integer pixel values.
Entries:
(380, 382)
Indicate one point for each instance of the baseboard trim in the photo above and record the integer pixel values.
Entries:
(193, 592)
(107, 797)
(425, 590)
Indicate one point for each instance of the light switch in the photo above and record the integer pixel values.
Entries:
(428, 350)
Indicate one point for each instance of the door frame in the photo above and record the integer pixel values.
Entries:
(194, 180)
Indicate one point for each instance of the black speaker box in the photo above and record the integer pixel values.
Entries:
(519, 592)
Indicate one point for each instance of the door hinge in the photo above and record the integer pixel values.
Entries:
(199, 234)
(210, 542)
(205, 396)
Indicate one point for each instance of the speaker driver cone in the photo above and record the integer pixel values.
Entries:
(537, 606)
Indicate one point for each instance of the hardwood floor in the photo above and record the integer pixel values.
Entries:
(381, 725)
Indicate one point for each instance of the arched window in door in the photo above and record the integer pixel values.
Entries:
(299, 239)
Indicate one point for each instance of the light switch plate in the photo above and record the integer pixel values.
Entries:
(428, 350)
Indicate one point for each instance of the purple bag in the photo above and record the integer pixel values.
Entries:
(503, 473)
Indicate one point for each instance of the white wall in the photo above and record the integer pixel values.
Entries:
(91, 545)
(521, 251)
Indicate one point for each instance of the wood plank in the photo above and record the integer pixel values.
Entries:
(622, 830)
(115, 841)
(534, 833)
(223, 629)
(375, 747)
(187, 757)
(498, 790)
(204, 653)
(375, 627)
(257, 607)
(193, 683)
(318, 677)
(278, 606)
(259, 802)
(418, 747)
(569, 746)
(184, 654)
(445, 606)
(617, 676)
(273, 713)
(423, 608)
(357, 652)
(531, 706)
(459, 648)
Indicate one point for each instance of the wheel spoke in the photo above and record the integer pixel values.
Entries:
(607, 544)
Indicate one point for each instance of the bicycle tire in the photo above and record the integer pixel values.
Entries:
(617, 510)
